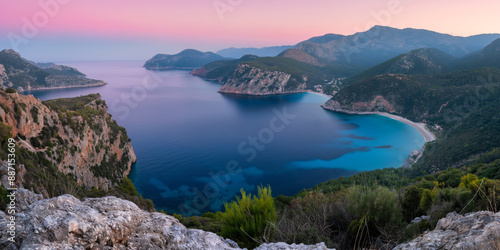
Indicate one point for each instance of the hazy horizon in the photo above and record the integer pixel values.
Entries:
(66, 30)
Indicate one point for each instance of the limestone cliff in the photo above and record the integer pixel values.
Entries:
(65, 222)
(252, 80)
(76, 136)
(378, 103)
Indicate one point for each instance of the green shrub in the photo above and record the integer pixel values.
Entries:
(4, 200)
(208, 215)
(426, 200)
(411, 203)
(247, 219)
(468, 181)
(11, 90)
(282, 201)
(379, 203)
(451, 177)
(191, 222)
(5, 134)
(127, 187)
(34, 113)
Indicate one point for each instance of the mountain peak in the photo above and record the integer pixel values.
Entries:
(418, 61)
(300, 56)
(186, 59)
(492, 49)
(10, 52)
(192, 52)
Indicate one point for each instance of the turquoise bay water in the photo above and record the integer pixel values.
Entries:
(197, 148)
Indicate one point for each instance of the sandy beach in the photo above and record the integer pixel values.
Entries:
(427, 134)
(421, 127)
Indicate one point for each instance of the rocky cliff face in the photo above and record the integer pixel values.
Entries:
(251, 80)
(65, 222)
(479, 230)
(378, 104)
(76, 135)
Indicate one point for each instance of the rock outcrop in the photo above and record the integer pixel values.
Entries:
(479, 230)
(284, 246)
(66, 222)
(76, 135)
(252, 80)
(378, 104)
(221, 70)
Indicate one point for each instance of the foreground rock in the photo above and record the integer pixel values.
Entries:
(479, 230)
(284, 246)
(65, 222)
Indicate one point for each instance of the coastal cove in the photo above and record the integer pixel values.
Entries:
(196, 148)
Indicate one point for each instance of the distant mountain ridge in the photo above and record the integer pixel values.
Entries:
(380, 43)
(273, 50)
(488, 57)
(419, 61)
(323, 63)
(261, 52)
(21, 74)
(186, 59)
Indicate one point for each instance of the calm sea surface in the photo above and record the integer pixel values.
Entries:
(197, 148)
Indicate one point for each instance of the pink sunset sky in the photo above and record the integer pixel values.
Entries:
(107, 29)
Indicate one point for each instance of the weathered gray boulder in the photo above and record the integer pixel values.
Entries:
(479, 230)
(24, 198)
(284, 246)
(65, 222)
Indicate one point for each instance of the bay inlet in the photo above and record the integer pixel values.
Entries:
(197, 148)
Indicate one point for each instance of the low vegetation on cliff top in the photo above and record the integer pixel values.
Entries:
(368, 210)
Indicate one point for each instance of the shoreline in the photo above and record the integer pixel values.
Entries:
(64, 87)
(421, 127)
(314, 92)
(260, 95)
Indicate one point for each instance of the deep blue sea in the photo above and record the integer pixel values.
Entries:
(197, 148)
